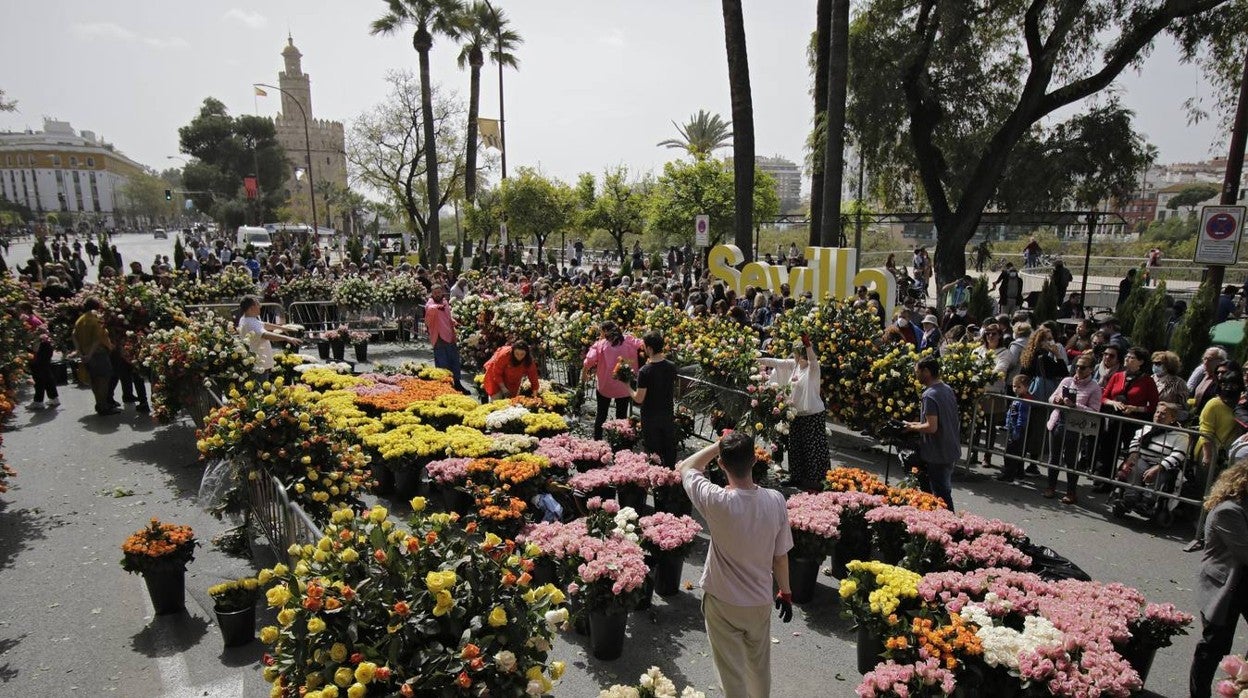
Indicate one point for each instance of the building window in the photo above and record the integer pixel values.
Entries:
(56, 160)
(73, 160)
(21, 159)
(78, 192)
(95, 192)
(8, 160)
(90, 162)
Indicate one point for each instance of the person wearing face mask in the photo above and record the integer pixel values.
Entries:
(1011, 289)
(907, 328)
(958, 316)
(1073, 431)
(1170, 385)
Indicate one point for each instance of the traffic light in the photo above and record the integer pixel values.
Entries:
(168, 195)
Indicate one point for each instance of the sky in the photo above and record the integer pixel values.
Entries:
(599, 82)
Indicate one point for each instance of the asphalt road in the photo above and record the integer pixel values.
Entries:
(73, 623)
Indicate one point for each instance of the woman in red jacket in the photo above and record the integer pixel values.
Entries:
(507, 367)
(1131, 392)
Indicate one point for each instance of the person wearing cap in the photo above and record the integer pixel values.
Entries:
(930, 338)
(1116, 338)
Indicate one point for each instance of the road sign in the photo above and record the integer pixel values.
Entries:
(702, 230)
(1217, 240)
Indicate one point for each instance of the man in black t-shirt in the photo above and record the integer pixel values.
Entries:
(656, 388)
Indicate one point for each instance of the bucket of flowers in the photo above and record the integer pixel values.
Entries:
(668, 539)
(651, 684)
(234, 603)
(359, 341)
(622, 434)
(815, 521)
(879, 598)
(337, 339)
(609, 584)
(160, 552)
(435, 607)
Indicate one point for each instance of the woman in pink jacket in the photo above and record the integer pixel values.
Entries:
(1073, 431)
(603, 357)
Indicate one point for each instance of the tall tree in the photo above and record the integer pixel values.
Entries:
(618, 206)
(225, 149)
(974, 81)
(428, 17)
(536, 206)
(484, 30)
(743, 126)
(707, 187)
(830, 232)
(388, 157)
(818, 57)
(6, 104)
(701, 135)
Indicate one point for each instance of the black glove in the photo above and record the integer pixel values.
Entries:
(784, 604)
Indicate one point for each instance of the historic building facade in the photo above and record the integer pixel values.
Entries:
(328, 142)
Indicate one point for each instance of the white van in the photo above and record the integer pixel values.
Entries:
(258, 238)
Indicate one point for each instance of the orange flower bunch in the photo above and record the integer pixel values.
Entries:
(411, 390)
(501, 508)
(762, 455)
(844, 479)
(535, 404)
(478, 467)
(909, 497)
(157, 544)
(516, 471)
(945, 643)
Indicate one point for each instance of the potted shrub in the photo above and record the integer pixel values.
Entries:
(160, 552)
(234, 603)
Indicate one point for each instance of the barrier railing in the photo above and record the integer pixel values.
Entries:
(1094, 446)
(269, 312)
(315, 316)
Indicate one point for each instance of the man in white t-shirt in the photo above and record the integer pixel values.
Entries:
(750, 541)
(258, 334)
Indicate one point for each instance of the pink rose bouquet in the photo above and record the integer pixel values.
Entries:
(449, 471)
(893, 680)
(1236, 682)
(622, 434)
(570, 452)
(612, 574)
(664, 532)
(815, 520)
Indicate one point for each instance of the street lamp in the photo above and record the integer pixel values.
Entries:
(498, 58)
(307, 146)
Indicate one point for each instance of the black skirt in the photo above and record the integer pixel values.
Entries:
(808, 450)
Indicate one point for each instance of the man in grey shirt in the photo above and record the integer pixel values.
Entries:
(938, 424)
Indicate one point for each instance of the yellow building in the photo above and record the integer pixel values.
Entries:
(60, 170)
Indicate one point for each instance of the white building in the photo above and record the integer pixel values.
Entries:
(63, 171)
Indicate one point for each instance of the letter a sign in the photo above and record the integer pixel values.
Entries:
(701, 230)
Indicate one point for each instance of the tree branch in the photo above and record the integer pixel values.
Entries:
(1031, 30)
(1123, 53)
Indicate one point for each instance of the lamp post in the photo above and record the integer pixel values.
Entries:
(498, 58)
(307, 146)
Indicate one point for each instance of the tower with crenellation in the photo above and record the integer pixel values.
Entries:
(328, 142)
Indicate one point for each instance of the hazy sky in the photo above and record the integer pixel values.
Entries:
(599, 82)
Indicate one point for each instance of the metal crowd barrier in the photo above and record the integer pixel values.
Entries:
(1108, 447)
(283, 522)
(269, 312)
(315, 316)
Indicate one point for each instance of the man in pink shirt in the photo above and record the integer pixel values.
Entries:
(750, 542)
(441, 328)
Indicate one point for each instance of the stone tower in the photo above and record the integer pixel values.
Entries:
(327, 140)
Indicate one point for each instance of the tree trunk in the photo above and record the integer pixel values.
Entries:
(619, 244)
(434, 237)
(823, 20)
(834, 124)
(742, 127)
(474, 108)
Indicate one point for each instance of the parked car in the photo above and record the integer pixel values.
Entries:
(160, 234)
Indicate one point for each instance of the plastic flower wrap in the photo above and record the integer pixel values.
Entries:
(375, 607)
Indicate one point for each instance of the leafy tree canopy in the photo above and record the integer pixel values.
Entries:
(225, 149)
(618, 206)
(1193, 194)
(688, 189)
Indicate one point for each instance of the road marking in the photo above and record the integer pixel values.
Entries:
(175, 675)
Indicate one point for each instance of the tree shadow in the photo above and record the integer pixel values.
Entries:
(22, 528)
(8, 673)
(165, 453)
(170, 635)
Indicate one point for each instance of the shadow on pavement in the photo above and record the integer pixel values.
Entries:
(8, 673)
(245, 655)
(168, 636)
(823, 613)
(100, 424)
(21, 528)
(182, 473)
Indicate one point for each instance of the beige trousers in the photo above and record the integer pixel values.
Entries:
(741, 646)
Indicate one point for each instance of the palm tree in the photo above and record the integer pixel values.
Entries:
(817, 54)
(483, 30)
(702, 134)
(429, 17)
(831, 232)
(743, 127)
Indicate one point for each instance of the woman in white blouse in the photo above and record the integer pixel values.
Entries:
(808, 438)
